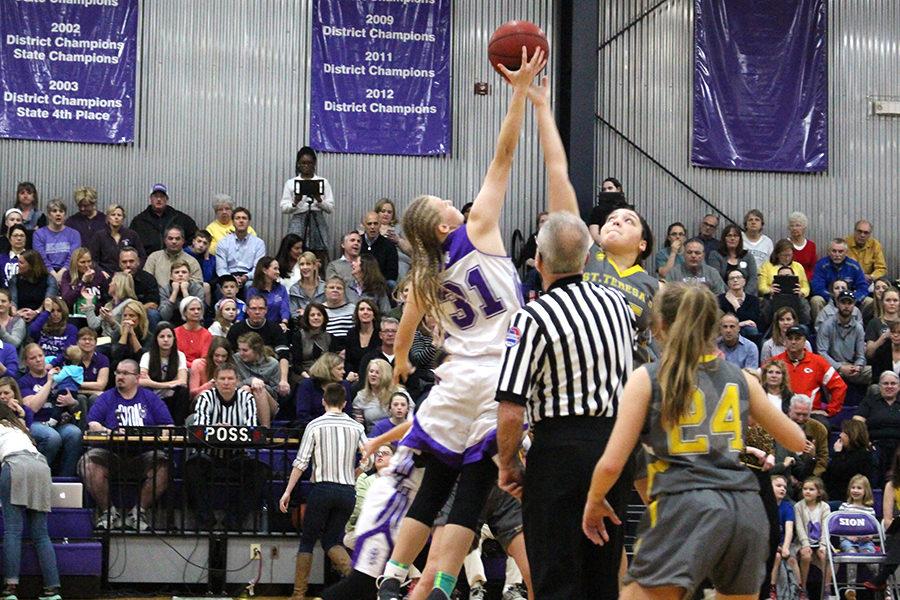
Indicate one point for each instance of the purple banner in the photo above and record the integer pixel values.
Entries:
(67, 70)
(760, 85)
(381, 76)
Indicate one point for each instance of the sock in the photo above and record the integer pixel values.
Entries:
(396, 570)
(444, 582)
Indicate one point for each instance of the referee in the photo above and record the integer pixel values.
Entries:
(568, 355)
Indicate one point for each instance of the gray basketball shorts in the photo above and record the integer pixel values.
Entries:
(502, 513)
(688, 537)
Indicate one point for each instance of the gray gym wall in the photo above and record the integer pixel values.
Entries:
(223, 99)
(644, 90)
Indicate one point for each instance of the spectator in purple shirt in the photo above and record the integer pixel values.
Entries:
(84, 286)
(51, 328)
(267, 283)
(9, 360)
(96, 365)
(17, 237)
(56, 242)
(88, 221)
(126, 405)
(399, 410)
(106, 244)
(51, 438)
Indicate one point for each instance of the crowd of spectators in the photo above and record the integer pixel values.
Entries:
(197, 321)
(209, 325)
(822, 333)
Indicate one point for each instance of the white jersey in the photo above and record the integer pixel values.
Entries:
(483, 292)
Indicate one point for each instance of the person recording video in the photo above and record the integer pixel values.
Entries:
(306, 197)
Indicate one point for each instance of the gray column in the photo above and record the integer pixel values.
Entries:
(576, 50)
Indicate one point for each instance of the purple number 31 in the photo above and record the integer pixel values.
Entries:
(465, 314)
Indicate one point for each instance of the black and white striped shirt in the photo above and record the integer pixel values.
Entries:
(331, 442)
(569, 352)
(211, 409)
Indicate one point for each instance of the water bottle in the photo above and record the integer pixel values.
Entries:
(264, 518)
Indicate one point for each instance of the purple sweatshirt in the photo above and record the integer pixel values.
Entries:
(146, 409)
(9, 266)
(56, 247)
(30, 385)
(52, 345)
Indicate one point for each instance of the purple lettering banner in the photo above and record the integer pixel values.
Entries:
(381, 76)
(760, 85)
(67, 70)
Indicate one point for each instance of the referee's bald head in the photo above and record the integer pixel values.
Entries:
(562, 244)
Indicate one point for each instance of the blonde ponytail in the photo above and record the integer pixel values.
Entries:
(420, 223)
(689, 316)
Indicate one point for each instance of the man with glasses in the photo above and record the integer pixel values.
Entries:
(126, 405)
(695, 270)
(867, 251)
(708, 227)
(272, 334)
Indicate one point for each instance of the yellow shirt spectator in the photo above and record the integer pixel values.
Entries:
(866, 250)
(767, 274)
(218, 231)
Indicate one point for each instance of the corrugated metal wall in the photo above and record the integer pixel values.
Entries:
(222, 106)
(644, 90)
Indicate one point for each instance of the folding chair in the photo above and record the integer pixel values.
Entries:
(843, 524)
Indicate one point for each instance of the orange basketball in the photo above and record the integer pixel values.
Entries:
(505, 47)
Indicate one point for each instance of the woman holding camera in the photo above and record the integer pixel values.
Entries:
(307, 197)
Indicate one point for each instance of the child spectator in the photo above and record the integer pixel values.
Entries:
(68, 378)
(786, 521)
(228, 285)
(860, 500)
(180, 287)
(226, 315)
(811, 513)
(199, 249)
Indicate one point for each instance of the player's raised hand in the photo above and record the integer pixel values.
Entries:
(539, 93)
(592, 523)
(522, 77)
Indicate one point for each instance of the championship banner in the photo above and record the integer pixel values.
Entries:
(67, 70)
(381, 76)
(760, 85)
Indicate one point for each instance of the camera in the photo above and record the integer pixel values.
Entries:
(309, 187)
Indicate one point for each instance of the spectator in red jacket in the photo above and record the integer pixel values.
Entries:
(809, 373)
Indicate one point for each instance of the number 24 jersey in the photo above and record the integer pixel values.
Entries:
(703, 450)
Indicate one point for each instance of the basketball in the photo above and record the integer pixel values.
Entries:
(505, 47)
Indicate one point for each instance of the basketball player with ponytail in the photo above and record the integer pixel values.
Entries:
(705, 518)
(461, 276)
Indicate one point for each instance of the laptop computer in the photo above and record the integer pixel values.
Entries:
(67, 495)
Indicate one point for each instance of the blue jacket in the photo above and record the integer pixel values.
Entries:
(826, 272)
